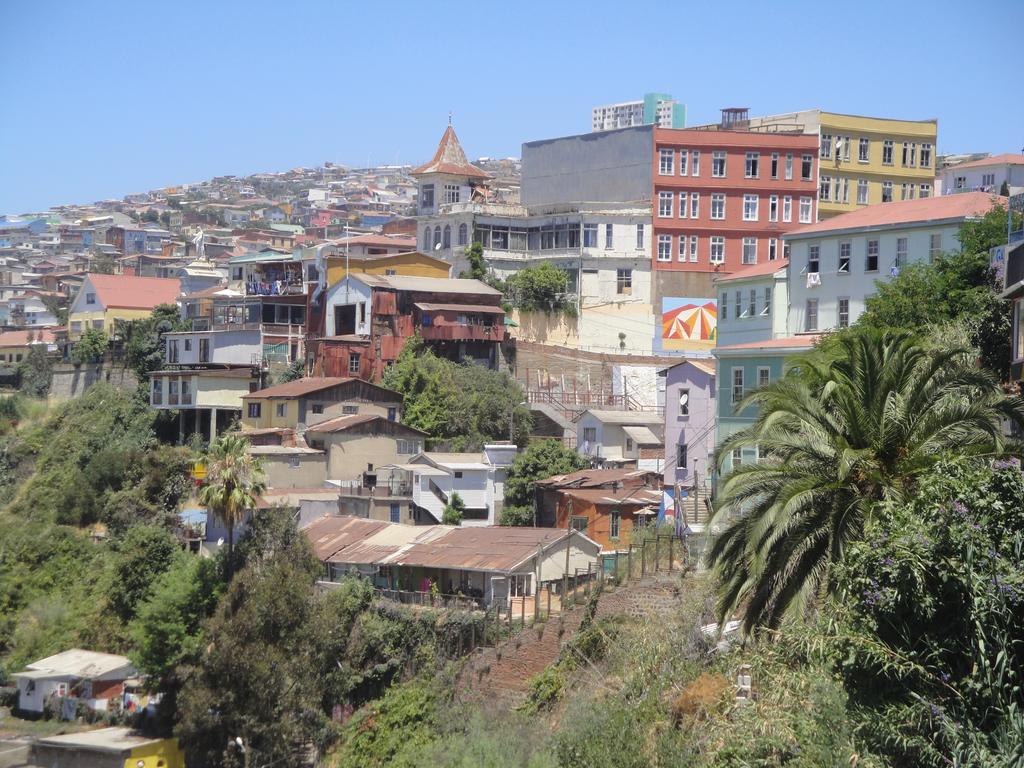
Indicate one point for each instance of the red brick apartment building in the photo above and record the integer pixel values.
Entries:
(724, 196)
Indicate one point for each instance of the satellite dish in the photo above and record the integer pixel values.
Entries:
(220, 542)
(437, 247)
(684, 398)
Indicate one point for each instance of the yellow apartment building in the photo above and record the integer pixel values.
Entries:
(864, 160)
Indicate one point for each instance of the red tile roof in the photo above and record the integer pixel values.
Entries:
(129, 292)
(756, 270)
(1004, 159)
(944, 208)
(449, 158)
(786, 342)
(26, 337)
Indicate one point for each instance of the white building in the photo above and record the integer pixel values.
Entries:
(654, 108)
(478, 479)
(985, 175)
(622, 438)
(89, 676)
(834, 265)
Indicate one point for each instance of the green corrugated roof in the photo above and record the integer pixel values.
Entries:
(263, 257)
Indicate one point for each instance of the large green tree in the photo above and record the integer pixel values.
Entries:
(850, 426)
(254, 679)
(144, 342)
(541, 459)
(464, 405)
(959, 286)
(234, 479)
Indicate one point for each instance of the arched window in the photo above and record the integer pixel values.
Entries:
(437, 235)
(447, 236)
(426, 239)
(463, 234)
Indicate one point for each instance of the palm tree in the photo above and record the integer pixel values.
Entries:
(848, 427)
(234, 479)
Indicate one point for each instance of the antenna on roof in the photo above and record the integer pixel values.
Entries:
(449, 117)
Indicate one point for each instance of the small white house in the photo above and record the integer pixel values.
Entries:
(622, 438)
(93, 678)
(478, 478)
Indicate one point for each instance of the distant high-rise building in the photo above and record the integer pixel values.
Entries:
(653, 109)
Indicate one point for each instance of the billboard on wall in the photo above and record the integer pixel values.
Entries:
(687, 325)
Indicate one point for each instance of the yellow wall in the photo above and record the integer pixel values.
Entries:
(10, 354)
(151, 755)
(877, 131)
(210, 392)
(107, 316)
(268, 413)
(405, 264)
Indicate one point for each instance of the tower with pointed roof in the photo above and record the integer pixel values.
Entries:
(448, 177)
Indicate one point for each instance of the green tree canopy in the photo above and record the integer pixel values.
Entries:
(849, 427)
(91, 347)
(541, 459)
(143, 554)
(461, 405)
(542, 288)
(144, 343)
(234, 479)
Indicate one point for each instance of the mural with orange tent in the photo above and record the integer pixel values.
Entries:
(688, 325)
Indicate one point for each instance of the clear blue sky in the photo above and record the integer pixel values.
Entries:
(100, 99)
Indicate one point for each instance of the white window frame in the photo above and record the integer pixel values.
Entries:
(825, 147)
(806, 210)
(825, 189)
(719, 160)
(693, 247)
(717, 244)
(737, 384)
(664, 248)
(666, 162)
(749, 254)
(773, 208)
(718, 199)
(640, 237)
(789, 166)
(774, 166)
(842, 318)
(764, 376)
(773, 248)
(863, 189)
(695, 163)
(665, 200)
(751, 207)
(684, 157)
(752, 165)
(808, 314)
(787, 209)
(694, 205)
(872, 249)
(864, 150)
(681, 254)
(684, 204)
(902, 251)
